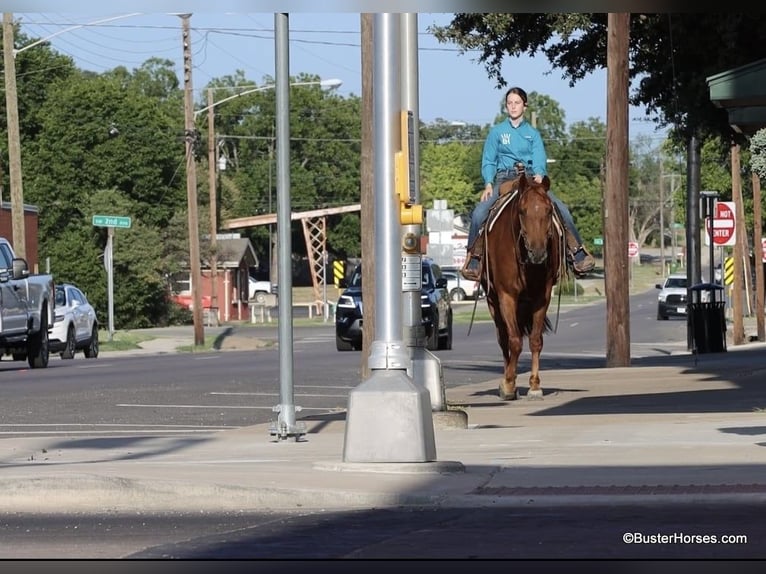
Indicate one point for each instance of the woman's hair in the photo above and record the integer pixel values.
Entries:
(519, 92)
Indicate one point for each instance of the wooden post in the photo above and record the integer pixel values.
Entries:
(14, 139)
(757, 246)
(191, 186)
(367, 193)
(738, 328)
(616, 270)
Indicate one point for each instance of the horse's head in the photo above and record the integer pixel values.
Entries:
(536, 218)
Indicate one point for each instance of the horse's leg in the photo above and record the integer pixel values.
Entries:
(511, 349)
(535, 348)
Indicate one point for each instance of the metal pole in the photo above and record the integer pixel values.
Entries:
(324, 285)
(286, 425)
(426, 367)
(389, 417)
(692, 227)
(110, 277)
(212, 167)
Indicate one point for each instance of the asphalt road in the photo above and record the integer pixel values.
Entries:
(187, 394)
(670, 531)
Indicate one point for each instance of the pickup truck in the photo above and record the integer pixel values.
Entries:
(26, 310)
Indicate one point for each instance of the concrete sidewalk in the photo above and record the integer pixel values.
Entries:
(681, 428)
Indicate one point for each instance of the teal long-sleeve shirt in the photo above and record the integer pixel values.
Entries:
(505, 145)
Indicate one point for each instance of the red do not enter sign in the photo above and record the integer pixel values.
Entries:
(632, 249)
(724, 223)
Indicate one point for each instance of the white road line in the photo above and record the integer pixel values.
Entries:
(277, 394)
(217, 407)
(109, 425)
(102, 432)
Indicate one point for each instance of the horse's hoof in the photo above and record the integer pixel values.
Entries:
(506, 396)
(535, 394)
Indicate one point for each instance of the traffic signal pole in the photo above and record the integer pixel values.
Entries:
(425, 367)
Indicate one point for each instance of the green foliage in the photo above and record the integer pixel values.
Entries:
(443, 175)
(670, 54)
(758, 151)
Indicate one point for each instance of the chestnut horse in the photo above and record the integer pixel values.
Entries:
(524, 260)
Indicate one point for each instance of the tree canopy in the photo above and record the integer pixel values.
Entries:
(671, 55)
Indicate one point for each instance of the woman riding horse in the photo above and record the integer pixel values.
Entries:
(524, 258)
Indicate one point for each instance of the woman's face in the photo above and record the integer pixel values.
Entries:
(515, 106)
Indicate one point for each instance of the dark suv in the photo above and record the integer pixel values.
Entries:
(435, 308)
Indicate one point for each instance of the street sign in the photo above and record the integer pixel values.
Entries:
(111, 221)
(763, 249)
(598, 241)
(632, 248)
(724, 228)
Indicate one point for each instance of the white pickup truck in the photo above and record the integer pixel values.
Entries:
(26, 310)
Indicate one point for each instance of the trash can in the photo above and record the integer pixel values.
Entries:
(708, 318)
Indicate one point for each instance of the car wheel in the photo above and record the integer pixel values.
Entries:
(69, 347)
(260, 297)
(445, 342)
(457, 294)
(660, 316)
(39, 351)
(342, 345)
(432, 342)
(91, 351)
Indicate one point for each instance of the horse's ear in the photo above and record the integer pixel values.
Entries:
(546, 182)
(522, 182)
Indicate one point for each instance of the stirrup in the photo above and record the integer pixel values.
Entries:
(471, 271)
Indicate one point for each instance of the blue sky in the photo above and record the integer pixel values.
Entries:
(452, 86)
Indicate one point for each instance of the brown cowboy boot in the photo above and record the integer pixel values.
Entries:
(579, 258)
(474, 259)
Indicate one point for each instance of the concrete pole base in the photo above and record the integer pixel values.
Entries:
(450, 420)
(389, 420)
(426, 371)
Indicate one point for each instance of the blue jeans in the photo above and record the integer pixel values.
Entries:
(481, 211)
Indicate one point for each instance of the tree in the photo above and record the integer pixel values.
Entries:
(670, 54)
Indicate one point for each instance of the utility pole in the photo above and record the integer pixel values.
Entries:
(617, 277)
(191, 185)
(14, 139)
(212, 167)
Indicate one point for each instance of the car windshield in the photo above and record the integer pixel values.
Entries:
(676, 282)
(356, 278)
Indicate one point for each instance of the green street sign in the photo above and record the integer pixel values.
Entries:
(598, 241)
(111, 221)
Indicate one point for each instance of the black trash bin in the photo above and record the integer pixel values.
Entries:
(708, 318)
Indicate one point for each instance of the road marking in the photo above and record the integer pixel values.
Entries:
(277, 394)
(218, 407)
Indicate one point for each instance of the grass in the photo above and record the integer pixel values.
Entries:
(121, 340)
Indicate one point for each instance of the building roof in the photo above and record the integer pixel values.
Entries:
(232, 252)
(742, 93)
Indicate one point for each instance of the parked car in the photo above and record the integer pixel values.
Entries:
(460, 289)
(671, 300)
(435, 307)
(75, 326)
(259, 289)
